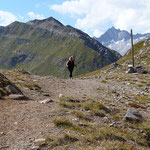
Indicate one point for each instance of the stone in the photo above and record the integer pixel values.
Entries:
(131, 69)
(17, 97)
(137, 69)
(114, 65)
(35, 148)
(2, 133)
(46, 94)
(61, 95)
(75, 119)
(46, 101)
(12, 89)
(15, 123)
(141, 70)
(133, 115)
(39, 140)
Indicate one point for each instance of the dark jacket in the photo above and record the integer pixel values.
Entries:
(70, 64)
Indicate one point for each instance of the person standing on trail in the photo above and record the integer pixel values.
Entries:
(70, 65)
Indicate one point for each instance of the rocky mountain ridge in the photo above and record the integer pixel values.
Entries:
(119, 40)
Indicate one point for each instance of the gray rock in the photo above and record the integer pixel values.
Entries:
(46, 101)
(39, 140)
(133, 115)
(114, 65)
(2, 133)
(12, 89)
(137, 69)
(46, 94)
(141, 70)
(17, 97)
(35, 148)
(131, 69)
(61, 96)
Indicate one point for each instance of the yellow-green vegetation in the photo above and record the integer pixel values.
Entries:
(4, 82)
(91, 105)
(31, 85)
(141, 51)
(104, 81)
(104, 133)
(70, 102)
(140, 85)
(68, 125)
(117, 114)
(142, 127)
(86, 131)
(2, 92)
(58, 141)
(80, 115)
(143, 99)
(148, 84)
(97, 112)
(118, 145)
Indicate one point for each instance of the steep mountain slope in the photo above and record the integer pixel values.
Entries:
(141, 55)
(119, 40)
(43, 47)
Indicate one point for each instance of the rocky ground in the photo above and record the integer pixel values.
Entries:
(83, 113)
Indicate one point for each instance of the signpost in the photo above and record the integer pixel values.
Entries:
(133, 63)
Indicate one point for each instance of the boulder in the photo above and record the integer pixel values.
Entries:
(17, 97)
(131, 69)
(8, 88)
(141, 70)
(12, 89)
(133, 115)
(137, 69)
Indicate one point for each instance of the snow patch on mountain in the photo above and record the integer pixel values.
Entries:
(119, 40)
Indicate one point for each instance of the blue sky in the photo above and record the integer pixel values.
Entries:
(92, 16)
(21, 8)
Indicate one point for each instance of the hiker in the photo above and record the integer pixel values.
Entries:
(70, 65)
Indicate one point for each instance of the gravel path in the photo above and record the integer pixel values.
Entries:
(21, 122)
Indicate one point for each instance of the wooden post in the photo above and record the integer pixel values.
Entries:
(133, 63)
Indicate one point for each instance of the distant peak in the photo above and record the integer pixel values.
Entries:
(113, 27)
(50, 19)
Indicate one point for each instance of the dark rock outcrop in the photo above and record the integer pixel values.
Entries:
(7, 88)
(138, 69)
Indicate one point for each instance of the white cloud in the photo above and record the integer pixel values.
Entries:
(6, 18)
(97, 15)
(97, 33)
(32, 15)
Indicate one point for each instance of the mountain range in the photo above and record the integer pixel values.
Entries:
(119, 40)
(43, 47)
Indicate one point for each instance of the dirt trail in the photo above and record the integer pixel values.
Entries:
(21, 122)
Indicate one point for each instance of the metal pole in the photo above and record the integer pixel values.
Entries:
(132, 49)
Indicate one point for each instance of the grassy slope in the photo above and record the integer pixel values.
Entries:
(142, 57)
(47, 52)
(142, 54)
